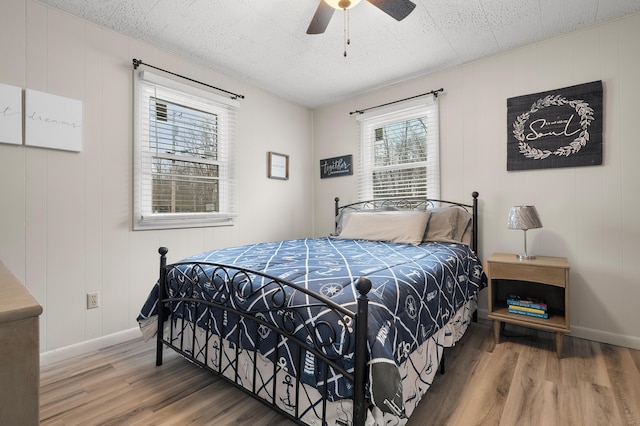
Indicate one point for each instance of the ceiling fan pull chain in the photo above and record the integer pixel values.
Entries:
(346, 31)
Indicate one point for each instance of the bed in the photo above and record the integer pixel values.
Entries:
(348, 329)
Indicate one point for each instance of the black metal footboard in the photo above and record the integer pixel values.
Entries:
(216, 322)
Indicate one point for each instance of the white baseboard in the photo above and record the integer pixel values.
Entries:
(93, 345)
(592, 334)
(606, 337)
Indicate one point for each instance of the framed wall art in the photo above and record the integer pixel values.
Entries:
(277, 166)
(336, 166)
(52, 121)
(557, 128)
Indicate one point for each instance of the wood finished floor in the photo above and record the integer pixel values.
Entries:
(517, 382)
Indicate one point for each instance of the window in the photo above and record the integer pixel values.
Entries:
(400, 151)
(183, 174)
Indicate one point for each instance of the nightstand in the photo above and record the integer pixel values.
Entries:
(544, 277)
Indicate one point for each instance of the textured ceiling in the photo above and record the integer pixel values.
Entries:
(264, 42)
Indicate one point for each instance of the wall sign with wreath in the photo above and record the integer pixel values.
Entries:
(558, 128)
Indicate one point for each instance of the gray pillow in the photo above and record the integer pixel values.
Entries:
(447, 224)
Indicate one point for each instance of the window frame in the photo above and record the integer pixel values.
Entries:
(424, 107)
(192, 97)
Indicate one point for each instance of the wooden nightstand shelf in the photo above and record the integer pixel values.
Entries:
(544, 278)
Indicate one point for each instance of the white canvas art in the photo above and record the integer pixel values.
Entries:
(10, 114)
(52, 121)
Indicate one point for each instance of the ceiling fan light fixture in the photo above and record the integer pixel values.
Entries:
(342, 4)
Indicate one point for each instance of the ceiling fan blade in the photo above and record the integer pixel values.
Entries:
(321, 18)
(397, 9)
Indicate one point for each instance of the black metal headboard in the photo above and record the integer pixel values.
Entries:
(413, 203)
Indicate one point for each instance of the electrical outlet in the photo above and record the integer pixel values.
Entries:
(93, 300)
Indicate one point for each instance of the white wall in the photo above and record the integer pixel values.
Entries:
(65, 226)
(590, 214)
(65, 221)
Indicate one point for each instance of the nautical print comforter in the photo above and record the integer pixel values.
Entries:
(415, 291)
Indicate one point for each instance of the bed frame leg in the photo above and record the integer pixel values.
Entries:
(360, 374)
(161, 296)
(442, 362)
(476, 226)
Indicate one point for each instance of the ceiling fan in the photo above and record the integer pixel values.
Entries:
(397, 9)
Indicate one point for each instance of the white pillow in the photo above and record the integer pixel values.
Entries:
(394, 226)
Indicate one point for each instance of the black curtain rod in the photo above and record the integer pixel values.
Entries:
(138, 62)
(433, 92)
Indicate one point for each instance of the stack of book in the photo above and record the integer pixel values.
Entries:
(527, 306)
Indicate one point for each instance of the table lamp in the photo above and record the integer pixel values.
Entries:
(524, 217)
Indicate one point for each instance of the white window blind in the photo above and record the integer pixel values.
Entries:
(183, 155)
(400, 155)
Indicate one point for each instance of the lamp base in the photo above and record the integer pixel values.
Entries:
(526, 256)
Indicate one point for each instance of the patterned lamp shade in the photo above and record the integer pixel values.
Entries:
(524, 217)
